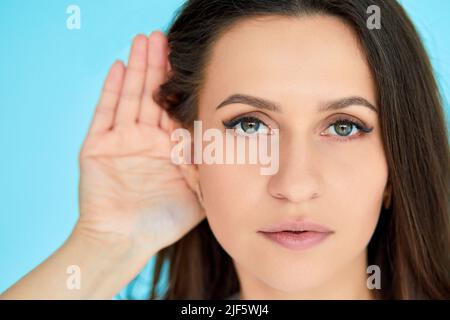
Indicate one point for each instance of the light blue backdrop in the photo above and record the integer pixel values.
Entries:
(50, 78)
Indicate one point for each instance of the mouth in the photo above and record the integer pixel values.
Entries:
(296, 234)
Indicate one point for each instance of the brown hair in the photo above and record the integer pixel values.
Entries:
(411, 243)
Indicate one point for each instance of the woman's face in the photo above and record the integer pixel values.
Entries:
(333, 175)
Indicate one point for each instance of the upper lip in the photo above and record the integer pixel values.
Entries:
(296, 225)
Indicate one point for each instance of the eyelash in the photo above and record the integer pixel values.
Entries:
(231, 124)
(362, 129)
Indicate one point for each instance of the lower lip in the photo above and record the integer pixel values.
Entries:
(297, 241)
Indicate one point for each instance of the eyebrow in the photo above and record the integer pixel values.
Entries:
(265, 104)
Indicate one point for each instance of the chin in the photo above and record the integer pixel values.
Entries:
(290, 278)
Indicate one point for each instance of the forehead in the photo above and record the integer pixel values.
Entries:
(311, 57)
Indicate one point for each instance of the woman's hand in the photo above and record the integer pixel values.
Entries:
(129, 188)
(133, 200)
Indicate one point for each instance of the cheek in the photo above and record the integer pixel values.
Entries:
(357, 186)
(232, 195)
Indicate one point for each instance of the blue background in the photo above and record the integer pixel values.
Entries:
(50, 78)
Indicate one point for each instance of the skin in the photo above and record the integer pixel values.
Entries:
(134, 200)
(338, 184)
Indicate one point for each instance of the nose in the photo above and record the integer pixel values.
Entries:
(298, 178)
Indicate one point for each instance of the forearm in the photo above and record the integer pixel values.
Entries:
(104, 269)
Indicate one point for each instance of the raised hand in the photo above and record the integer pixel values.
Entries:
(129, 188)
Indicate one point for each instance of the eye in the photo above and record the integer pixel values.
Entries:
(346, 129)
(247, 125)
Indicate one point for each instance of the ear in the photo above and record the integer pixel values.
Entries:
(190, 173)
(188, 170)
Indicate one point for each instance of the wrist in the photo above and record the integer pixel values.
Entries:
(107, 262)
(109, 245)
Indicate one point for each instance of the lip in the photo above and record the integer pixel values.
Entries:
(296, 234)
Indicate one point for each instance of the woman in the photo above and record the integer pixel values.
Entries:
(359, 206)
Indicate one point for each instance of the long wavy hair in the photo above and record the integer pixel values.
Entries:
(411, 243)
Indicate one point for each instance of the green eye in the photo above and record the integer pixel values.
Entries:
(343, 128)
(250, 126)
(247, 126)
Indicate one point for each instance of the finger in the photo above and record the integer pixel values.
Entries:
(150, 112)
(103, 118)
(130, 98)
